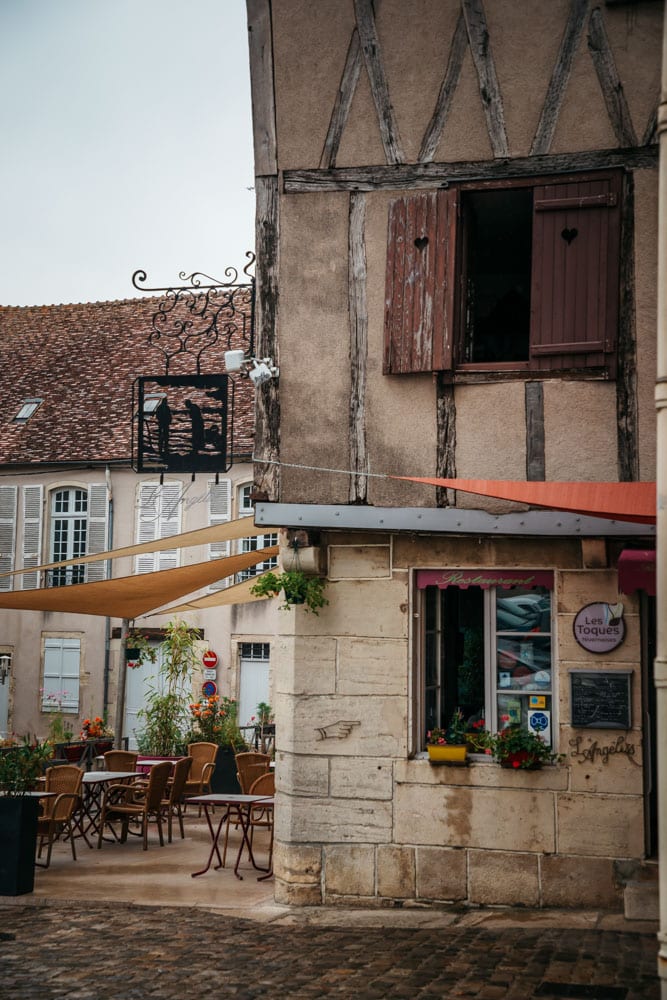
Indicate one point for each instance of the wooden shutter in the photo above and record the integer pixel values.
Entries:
(32, 534)
(219, 511)
(8, 495)
(575, 277)
(159, 517)
(97, 529)
(420, 280)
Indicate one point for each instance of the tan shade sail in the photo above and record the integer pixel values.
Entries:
(238, 594)
(243, 527)
(132, 596)
(634, 502)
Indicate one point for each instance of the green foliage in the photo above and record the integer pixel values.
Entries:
(264, 714)
(165, 716)
(455, 733)
(296, 586)
(518, 739)
(20, 766)
(146, 649)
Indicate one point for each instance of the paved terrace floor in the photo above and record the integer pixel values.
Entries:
(124, 924)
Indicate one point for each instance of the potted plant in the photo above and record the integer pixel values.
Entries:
(214, 719)
(97, 730)
(517, 747)
(138, 648)
(476, 736)
(164, 716)
(20, 767)
(448, 745)
(296, 586)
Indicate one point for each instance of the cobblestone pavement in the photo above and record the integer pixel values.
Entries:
(119, 951)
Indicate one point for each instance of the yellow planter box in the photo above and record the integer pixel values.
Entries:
(453, 752)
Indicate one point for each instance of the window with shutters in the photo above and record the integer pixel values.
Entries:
(219, 512)
(253, 542)
(77, 526)
(159, 516)
(62, 665)
(8, 502)
(515, 276)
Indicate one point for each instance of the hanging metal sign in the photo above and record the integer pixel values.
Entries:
(181, 423)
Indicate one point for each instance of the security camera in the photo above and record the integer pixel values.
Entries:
(234, 361)
(260, 374)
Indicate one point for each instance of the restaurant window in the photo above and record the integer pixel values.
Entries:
(520, 275)
(487, 648)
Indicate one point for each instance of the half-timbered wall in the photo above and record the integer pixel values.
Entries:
(360, 103)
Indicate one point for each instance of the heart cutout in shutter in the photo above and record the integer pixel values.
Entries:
(421, 242)
(569, 234)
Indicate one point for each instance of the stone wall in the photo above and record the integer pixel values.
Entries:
(359, 822)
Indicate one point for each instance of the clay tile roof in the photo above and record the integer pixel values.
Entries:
(82, 360)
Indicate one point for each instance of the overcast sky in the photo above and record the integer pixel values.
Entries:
(126, 144)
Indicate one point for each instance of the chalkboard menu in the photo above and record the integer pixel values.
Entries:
(600, 700)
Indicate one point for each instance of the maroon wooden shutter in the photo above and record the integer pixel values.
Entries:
(574, 293)
(419, 291)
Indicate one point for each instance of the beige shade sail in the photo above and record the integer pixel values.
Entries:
(132, 596)
(238, 594)
(243, 527)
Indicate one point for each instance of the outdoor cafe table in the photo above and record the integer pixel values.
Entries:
(236, 809)
(86, 819)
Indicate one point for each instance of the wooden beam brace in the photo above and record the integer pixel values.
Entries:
(445, 439)
(424, 176)
(260, 44)
(358, 347)
(341, 109)
(436, 125)
(560, 76)
(370, 47)
(610, 83)
(535, 461)
(626, 380)
(267, 400)
(489, 89)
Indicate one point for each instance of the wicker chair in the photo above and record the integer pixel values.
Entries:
(175, 791)
(249, 767)
(65, 780)
(120, 760)
(126, 802)
(203, 764)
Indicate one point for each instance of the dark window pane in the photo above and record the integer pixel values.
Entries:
(498, 227)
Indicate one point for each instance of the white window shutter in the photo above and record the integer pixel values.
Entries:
(219, 512)
(159, 516)
(8, 500)
(62, 659)
(98, 508)
(170, 523)
(32, 534)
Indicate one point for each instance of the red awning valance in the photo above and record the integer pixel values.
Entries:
(634, 502)
(636, 571)
(484, 578)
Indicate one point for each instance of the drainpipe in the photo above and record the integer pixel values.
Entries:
(661, 446)
(109, 573)
(120, 694)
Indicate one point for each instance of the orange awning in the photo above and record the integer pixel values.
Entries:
(634, 502)
(132, 596)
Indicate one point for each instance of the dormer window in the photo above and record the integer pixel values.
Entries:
(27, 409)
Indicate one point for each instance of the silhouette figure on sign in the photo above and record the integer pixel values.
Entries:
(163, 417)
(198, 436)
